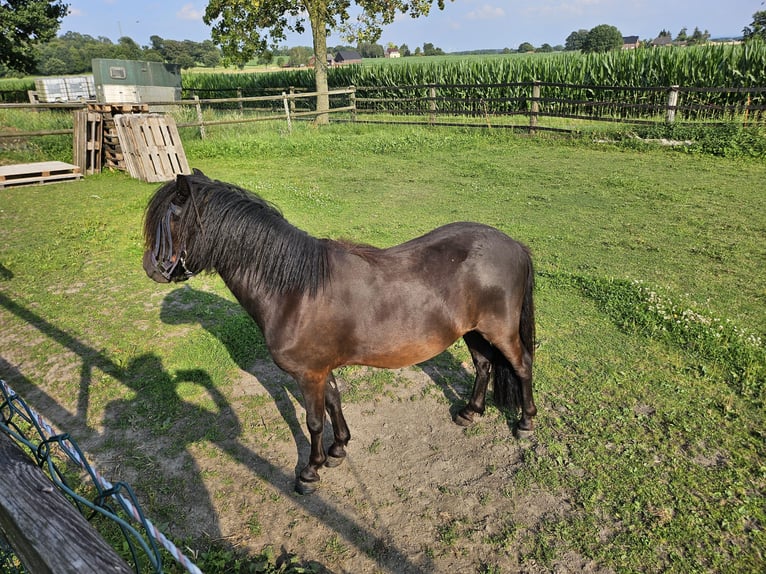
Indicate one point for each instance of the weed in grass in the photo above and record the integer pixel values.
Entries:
(334, 549)
(375, 446)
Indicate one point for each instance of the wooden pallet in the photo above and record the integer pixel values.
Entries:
(88, 140)
(151, 146)
(38, 173)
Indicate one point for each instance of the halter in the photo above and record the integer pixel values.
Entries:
(163, 257)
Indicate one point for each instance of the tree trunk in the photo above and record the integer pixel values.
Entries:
(319, 33)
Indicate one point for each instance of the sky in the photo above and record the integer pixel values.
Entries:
(463, 25)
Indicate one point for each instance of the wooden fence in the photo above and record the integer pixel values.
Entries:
(498, 104)
(526, 106)
(46, 530)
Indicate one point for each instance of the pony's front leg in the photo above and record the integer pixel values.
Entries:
(337, 452)
(314, 399)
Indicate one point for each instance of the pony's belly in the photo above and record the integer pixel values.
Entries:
(401, 355)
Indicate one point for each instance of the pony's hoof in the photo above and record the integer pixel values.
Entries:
(524, 433)
(463, 420)
(303, 487)
(333, 461)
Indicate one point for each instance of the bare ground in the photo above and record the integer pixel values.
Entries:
(416, 494)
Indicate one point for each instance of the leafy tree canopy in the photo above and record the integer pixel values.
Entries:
(245, 28)
(25, 23)
(602, 38)
(757, 28)
(575, 40)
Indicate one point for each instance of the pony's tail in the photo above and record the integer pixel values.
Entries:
(507, 384)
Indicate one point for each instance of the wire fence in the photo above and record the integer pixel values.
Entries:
(114, 502)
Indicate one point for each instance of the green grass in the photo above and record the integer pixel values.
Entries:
(651, 305)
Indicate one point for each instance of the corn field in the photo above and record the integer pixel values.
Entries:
(716, 82)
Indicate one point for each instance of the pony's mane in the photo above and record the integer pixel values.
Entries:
(243, 237)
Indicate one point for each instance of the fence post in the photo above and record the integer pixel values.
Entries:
(292, 99)
(287, 112)
(241, 105)
(670, 116)
(352, 102)
(432, 104)
(535, 109)
(199, 118)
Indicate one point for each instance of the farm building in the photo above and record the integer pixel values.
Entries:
(347, 57)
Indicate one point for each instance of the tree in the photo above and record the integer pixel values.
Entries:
(698, 37)
(525, 47)
(244, 28)
(25, 23)
(602, 38)
(757, 28)
(575, 40)
(430, 50)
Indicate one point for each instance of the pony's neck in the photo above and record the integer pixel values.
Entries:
(257, 250)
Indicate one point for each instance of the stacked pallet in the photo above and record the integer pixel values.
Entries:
(112, 154)
(88, 139)
(128, 138)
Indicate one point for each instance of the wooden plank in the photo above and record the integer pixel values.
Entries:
(45, 530)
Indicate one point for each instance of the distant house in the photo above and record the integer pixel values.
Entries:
(393, 53)
(630, 42)
(664, 40)
(347, 57)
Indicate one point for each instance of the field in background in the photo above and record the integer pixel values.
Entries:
(650, 372)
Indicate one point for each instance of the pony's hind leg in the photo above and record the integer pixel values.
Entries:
(337, 452)
(513, 384)
(481, 353)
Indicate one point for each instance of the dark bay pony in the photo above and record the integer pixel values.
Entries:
(322, 304)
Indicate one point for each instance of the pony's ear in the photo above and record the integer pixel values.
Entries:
(183, 187)
(196, 171)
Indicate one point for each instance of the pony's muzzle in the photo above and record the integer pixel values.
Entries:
(151, 269)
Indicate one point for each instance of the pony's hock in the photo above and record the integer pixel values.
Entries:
(322, 304)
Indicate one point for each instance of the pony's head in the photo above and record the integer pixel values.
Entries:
(166, 234)
(196, 224)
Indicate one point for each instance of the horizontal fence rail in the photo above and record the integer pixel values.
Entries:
(516, 105)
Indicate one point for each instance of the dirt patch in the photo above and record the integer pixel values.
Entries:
(416, 494)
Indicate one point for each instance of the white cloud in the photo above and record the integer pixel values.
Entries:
(190, 12)
(565, 7)
(486, 12)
